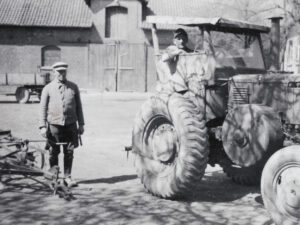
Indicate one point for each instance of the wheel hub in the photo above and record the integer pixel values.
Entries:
(240, 138)
(288, 191)
(164, 143)
(293, 195)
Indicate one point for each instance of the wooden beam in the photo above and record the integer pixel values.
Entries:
(155, 39)
(200, 21)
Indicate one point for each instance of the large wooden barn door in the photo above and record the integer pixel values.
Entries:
(110, 67)
(125, 68)
(132, 67)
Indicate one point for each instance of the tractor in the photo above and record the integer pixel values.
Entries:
(233, 112)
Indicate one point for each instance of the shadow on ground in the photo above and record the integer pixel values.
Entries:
(123, 200)
(15, 102)
(9, 102)
(216, 187)
(110, 180)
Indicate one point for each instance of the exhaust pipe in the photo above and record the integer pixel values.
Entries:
(275, 43)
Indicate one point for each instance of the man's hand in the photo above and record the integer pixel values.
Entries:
(170, 53)
(43, 132)
(81, 129)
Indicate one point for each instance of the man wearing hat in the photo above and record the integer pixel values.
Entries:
(180, 41)
(61, 118)
(169, 65)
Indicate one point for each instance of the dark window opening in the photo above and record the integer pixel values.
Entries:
(116, 22)
(50, 55)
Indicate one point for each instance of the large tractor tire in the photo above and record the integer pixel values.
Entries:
(280, 186)
(242, 175)
(171, 146)
(250, 135)
(22, 95)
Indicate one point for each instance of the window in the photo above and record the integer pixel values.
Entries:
(50, 55)
(116, 22)
(237, 50)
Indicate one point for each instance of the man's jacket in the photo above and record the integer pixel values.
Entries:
(61, 104)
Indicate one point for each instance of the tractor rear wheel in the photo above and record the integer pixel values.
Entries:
(171, 145)
(280, 186)
(242, 175)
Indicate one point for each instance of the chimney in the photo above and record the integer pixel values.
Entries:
(275, 43)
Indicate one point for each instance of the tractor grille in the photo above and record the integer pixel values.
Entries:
(240, 96)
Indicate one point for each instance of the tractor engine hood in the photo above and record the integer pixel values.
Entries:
(280, 91)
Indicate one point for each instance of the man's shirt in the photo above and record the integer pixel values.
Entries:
(61, 104)
(172, 51)
(169, 56)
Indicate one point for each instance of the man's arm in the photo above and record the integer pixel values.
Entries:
(79, 110)
(44, 107)
(170, 53)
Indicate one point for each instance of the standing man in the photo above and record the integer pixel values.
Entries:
(61, 118)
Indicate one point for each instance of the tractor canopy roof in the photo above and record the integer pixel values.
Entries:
(215, 23)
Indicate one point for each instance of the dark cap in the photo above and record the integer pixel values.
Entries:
(180, 33)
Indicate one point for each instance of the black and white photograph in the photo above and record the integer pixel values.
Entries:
(149, 112)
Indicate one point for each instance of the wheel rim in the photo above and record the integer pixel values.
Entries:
(160, 138)
(164, 142)
(286, 185)
(22, 95)
(35, 159)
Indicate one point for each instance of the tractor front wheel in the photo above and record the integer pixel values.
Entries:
(280, 186)
(171, 145)
(250, 135)
(242, 175)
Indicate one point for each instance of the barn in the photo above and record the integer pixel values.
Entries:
(107, 43)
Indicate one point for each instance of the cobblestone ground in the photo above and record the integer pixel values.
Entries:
(109, 191)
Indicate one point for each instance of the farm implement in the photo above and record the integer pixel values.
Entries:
(21, 157)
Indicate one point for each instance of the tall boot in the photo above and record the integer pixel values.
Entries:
(53, 157)
(68, 161)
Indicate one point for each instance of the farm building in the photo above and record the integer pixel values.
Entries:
(38, 33)
(107, 43)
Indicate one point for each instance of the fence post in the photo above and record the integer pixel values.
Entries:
(35, 82)
(6, 79)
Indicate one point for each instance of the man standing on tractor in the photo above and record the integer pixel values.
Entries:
(60, 111)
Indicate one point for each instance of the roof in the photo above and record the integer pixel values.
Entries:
(146, 25)
(45, 13)
(203, 9)
(200, 21)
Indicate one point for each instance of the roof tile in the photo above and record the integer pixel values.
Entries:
(46, 13)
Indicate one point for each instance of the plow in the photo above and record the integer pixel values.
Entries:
(21, 157)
